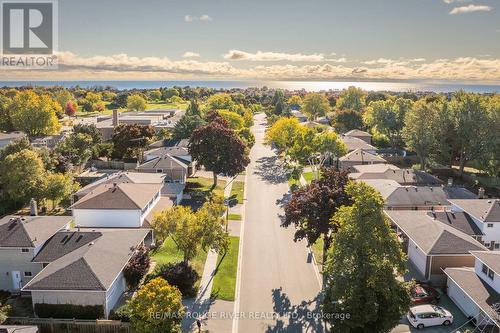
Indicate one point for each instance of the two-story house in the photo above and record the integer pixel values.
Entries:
(485, 213)
(21, 238)
(476, 290)
(118, 205)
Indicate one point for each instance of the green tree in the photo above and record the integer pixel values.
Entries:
(5, 121)
(311, 208)
(316, 105)
(35, 114)
(186, 125)
(136, 103)
(154, 95)
(62, 97)
(168, 93)
(491, 161)
(130, 140)
(347, 119)
(194, 108)
(58, 187)
(91, 102)
(89, 129)
(22, 175)
(156, 308)
(295, 102)
(362, 274)
(4, 312)
(220, 101)
(235, 121)
(352, 99)
(283, 133)
(218, 148)
(419, 132)
(76, 148)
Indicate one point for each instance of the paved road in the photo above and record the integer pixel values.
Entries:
(276, 277)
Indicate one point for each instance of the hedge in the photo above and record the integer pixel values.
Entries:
(69, 311)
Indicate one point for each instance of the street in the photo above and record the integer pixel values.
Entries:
(279, 284)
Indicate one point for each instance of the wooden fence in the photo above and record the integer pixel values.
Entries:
(49, 325)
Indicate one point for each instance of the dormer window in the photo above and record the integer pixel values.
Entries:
(25, 250)
(488, 271)
(490, 225)
(485, 269)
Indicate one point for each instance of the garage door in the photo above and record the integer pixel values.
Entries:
(417, 257)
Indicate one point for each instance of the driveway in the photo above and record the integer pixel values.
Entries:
(279, 287)
(459, 320)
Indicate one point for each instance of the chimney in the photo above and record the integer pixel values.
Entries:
(450, 181)
(480, 193)
(115, 117)
(33, 207)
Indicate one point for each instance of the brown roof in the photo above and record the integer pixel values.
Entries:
(353, 143)
(486, 210)
(402, 176)
(118, 196)
(357, 132)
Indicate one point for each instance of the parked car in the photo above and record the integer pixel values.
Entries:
(424, 294)
(429, 315)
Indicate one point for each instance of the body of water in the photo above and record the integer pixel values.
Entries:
(290, 85)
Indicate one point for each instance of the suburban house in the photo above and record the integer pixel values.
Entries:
(21, 238)
(299, 115)
(401, 176)
(358, 157)
(175, 169)
(6, 138)
(432, 245)
(356, 133)
(172, 190)
(180, 153)
(117, 205)
(84, 268)
(49, 141)
(476, 290)
(485, 214)
(353, 143)
(397, 196)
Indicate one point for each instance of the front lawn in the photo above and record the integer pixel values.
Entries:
(168, 253)
(204, 186)
(317, 249)
(224, 285)
(237, 190)
(234, 217)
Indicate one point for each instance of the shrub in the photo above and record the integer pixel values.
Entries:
(180, 275)
(137, 267)
(69, 311)
(122, 313)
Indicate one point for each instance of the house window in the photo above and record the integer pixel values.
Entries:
(27, 274)
(485, 269)
(497, 246)
(25, 250)
(490, 225)
(491, 274)
(487, 245)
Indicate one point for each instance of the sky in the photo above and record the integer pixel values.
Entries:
(432, 40)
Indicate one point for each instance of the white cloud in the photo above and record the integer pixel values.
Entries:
(456, 1)
(123, 66)
(470, 9)
(279, 56)
(203, 18)
(190, 54)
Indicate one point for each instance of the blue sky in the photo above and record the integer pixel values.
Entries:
(318, 39)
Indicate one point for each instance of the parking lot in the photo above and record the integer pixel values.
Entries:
(458, 321)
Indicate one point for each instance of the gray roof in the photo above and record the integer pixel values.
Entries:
(29, 231)
(486, 210)
(396, 195)
(353, 143)
(18, 329)
(124, 177)
(63, 243)
(93, 266)
(118, 196)
(479, 291)
(458, 220)
(434, 238)
(377, 168)
(358, 133)
(362, 156)
(490, 258)
(401, 176)
(12, 135)
(165, 162)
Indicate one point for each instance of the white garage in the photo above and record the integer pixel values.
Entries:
(417, 257)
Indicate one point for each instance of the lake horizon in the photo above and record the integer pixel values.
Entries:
(313, 86)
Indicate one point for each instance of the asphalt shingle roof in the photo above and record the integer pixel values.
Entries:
(490, 258)
(486, 210)
(118, 196)
(458, 220)
(401, 176)
(93, 266)
(163, 162)
(353, 143)
(357, 132)
(431, 236)
(29, 231)
(63, 243)
(362, 156)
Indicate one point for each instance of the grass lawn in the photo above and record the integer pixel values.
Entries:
(309, 176)
(169, 253)
(234, 217)
(224, 284)
(317, 249)
(237, 190)
(204, 185)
